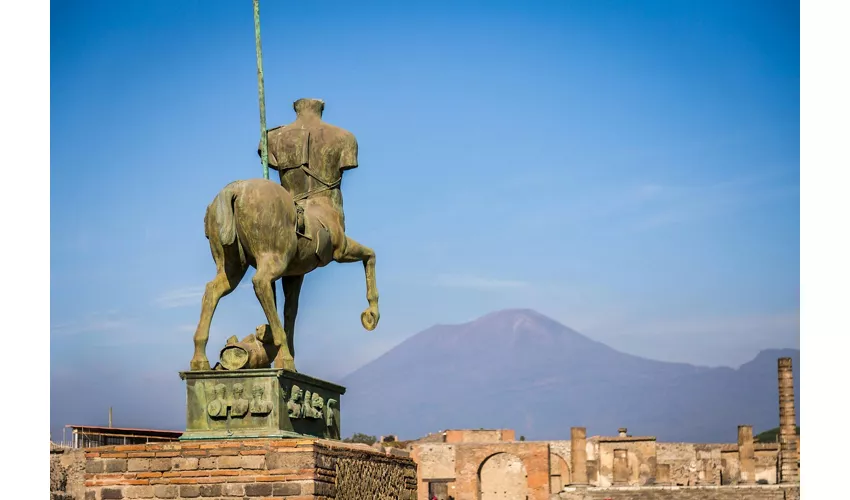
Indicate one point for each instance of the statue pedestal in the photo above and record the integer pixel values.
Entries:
(260, 403)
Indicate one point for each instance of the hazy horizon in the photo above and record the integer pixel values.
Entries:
(176, 389)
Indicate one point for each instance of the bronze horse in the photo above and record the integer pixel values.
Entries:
(284, 233)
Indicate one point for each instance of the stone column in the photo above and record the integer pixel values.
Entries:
(788, 471)
(578, 455)
(746, 454)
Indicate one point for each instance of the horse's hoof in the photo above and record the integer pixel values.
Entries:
(369, 318)
(197, 365)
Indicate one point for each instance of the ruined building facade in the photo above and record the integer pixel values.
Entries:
(492, 464)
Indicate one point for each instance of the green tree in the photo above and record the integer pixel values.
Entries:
(770, 436)
(358, 437)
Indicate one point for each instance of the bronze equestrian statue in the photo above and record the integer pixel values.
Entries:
(285, 230)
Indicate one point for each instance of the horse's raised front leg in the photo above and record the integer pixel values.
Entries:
(228, 277)
(291, 293)
(355, 252)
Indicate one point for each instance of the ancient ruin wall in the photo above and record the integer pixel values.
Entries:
(301, 468)
(534, 456)
(479, 435)
(635, 467)
(749, 492)
(560, 464)
(503, 477)
(692, 464)
(67, 470)
(561, 448)
(766, 463)
(731, 466)
(436, 461)
(355, 475)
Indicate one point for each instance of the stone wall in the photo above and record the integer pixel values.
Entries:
(503, 477)
(436, 461)
(610, 462)
(434, 437)
(562, 449)
(293, 468)
(767, 455)
(693, 464)
(479, 435)
(749, 492)
(67, 470)
(639, 456)
(731, 467)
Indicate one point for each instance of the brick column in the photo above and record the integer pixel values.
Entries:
(578, 455)
(788, 471)
(746, 454)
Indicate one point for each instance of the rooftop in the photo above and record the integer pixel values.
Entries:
(125, 430)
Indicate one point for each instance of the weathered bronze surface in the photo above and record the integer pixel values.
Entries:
(254, 351)
(285, 230)
(261, 403)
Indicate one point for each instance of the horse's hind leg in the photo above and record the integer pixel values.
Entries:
(268, 270)
(291, 293)
(230, 272)
(355, 252)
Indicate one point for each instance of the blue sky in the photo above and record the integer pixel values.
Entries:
(630, 169)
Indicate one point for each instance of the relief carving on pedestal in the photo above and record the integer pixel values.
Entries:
(311, 405)
(314, 406)
(331, 419)
(259, 405)
(218, 406)
(239, 406)
(293, 406)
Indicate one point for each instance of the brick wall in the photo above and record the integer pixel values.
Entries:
(295, 469)
(534, 456)
(756, 492)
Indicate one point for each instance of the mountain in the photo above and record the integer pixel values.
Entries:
(521, 370)
(770, 435)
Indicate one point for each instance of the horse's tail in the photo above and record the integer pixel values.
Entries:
(224, 215)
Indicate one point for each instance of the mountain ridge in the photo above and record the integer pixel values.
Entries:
(458, 375)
